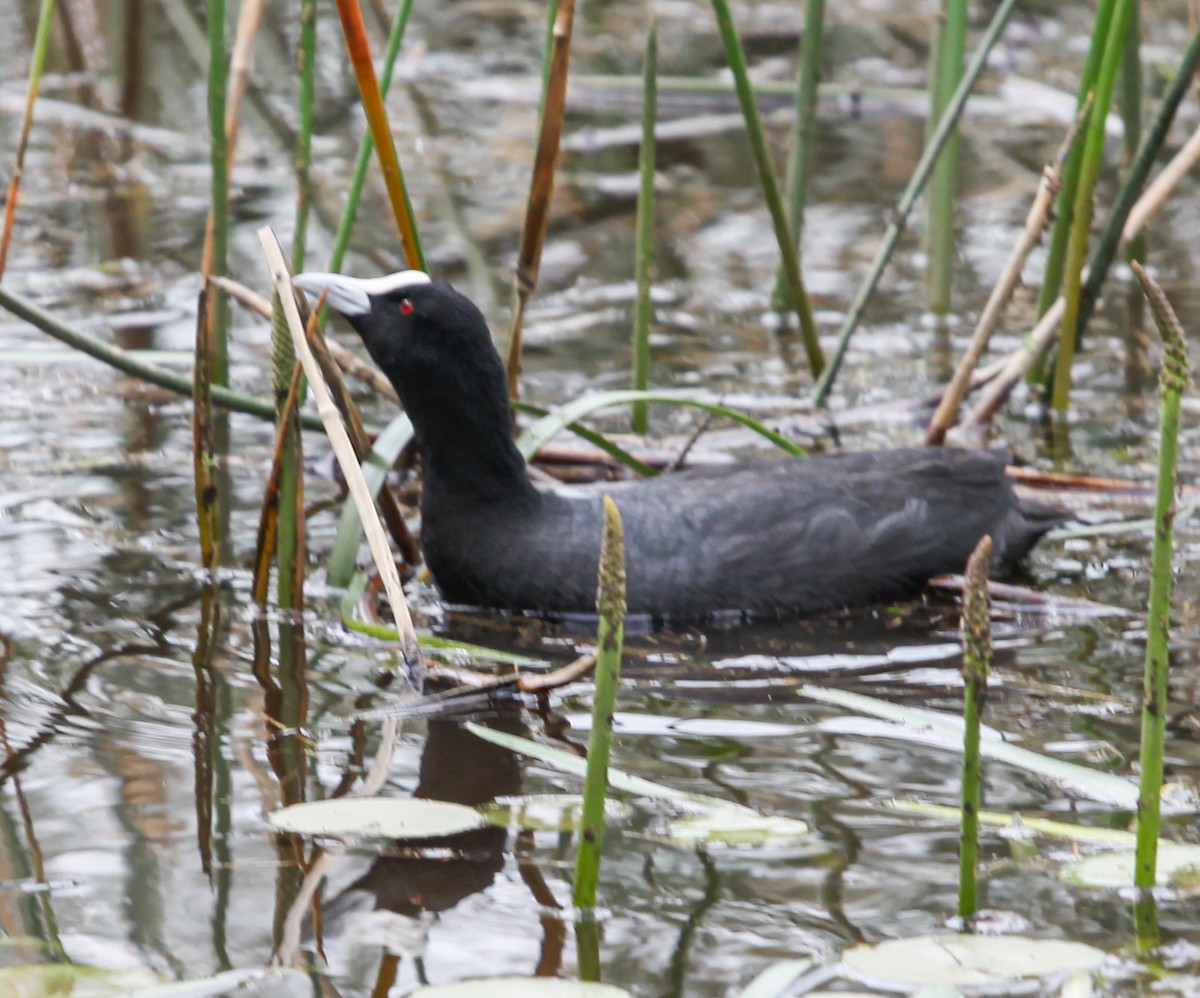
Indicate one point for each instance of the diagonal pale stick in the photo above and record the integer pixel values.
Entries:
(281, 279)
(1035, 224)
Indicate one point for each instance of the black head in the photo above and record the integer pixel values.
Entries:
(435, 348)
(423, 334)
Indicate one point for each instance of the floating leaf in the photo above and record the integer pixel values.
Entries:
(1092, 783)
(1178, 867)
(376, 817)
(63, 980)
(967, 960)
(544, 812)
(776, 979)
(737, 826)
(245, 983)
(520, 987)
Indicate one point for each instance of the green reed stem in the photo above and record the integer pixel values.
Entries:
(341, 239)
(41, 41)
(1093, 155)
(126, 362)
(790, 260)
(915, 185)
(308, 62)
(610, 605)
(1135, 179)
(802, 139)
(977, 661)
(1131, 111)
(217, 265)
(1064, 204)
(1175, 378)
(290, 489)
(645, 232)
(943, 190)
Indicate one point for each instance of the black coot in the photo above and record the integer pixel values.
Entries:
(798, 535)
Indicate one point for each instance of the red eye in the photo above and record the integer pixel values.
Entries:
(406, 307)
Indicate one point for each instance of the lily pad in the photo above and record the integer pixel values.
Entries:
(1178, 867)
(377, 817)
(960, 960)
(520, 987)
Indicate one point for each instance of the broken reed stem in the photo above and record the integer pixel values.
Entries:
(359, 49)
(1077, 242)
(1174, 380)
(541, 186)
(1035, 225)
(1130, 213)
(644, 238)
(802, 138)
(409, 648)
(915, 185)
(789, 257)
(977, 661)
(204, 480)
(41, 40)
(943, 189)
(610, 605)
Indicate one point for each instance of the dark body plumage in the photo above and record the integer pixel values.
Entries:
(798, 535)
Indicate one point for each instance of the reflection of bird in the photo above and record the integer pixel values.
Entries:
(763, 538)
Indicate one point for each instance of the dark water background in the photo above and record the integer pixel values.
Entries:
(99, 588)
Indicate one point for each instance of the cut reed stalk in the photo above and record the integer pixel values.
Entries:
(977, 661)
(943, 190)
(610, 605)
(789, 259)
(915, 185)
(409, 648)
(802, 139)
(644, 252)
(1089, 173)
(1175, 379)
(41, 41)
(359, 49)
(541, 185)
